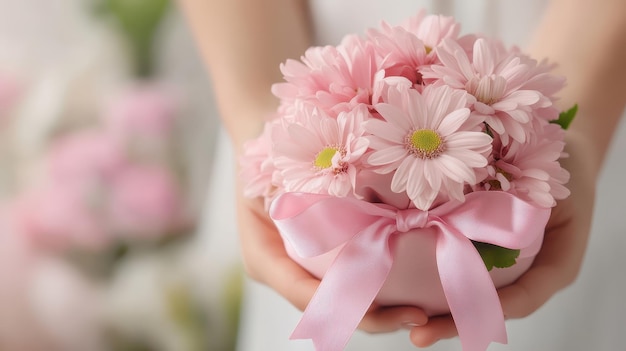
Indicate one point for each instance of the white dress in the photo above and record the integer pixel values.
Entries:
(587, 316)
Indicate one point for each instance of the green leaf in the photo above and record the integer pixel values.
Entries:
(566, 117)
(496, 256)
(488, 130)
(139, 21)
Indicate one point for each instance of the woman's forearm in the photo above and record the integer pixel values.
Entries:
(587, 39)
(243, 42)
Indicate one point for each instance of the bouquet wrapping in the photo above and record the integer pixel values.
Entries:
(411, 166)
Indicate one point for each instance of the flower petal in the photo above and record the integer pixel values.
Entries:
(453, 121)
(385, 130)
(387, 156)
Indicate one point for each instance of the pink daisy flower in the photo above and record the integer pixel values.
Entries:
(531, 170)
(335, 79)
(403, 53)
(322, 154)
(406, 49)
(540, 78)
(257, 164)
(432, 29)
(426, 139)
(497, 82)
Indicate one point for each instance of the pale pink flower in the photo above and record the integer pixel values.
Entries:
(63, 215)
(424, 139)
(144, 201)
(62, 209)
(257, 165)
(90, 193)
(531, 170)
(146, 111)
(335, 79)
(432, 29)
(542, 79)
(406, 49)
(403, 53)
(497, 81)
(322, 154)
(84, 156)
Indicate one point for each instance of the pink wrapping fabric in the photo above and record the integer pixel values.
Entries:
(367, 233)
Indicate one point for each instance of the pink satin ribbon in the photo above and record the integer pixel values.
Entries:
(316, 224)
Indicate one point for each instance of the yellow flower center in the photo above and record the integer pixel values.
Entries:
(324, 158)
(425, 143)
(428, 49)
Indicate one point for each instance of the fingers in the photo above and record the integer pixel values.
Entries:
(437, 328)
(555, 267)
(265, 258)
(529, 293)
(267, 262)
(388, 319)
(293, 282)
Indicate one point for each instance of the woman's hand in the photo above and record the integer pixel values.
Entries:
(266, 261)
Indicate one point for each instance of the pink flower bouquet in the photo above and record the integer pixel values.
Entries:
(403, 166)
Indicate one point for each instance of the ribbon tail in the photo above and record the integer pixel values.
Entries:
(347, 290)
(469, 290)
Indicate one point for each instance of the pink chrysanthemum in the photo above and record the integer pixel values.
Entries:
(531, 170)
(403, 53)
(425, 139)
(432, 29)
(322, 154)
(335, 79)
(406, 49)
(540, 78)
(257, 165)
(499, 82)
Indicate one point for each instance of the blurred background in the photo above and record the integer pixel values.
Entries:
(107, 135)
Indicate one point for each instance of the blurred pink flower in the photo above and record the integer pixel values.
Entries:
(60, 216)
(92, 193)
(144, 201)
(145, 111)
(423, 140)
(85, 156)
(63, 209)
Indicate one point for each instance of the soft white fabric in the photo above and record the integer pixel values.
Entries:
(586, 316)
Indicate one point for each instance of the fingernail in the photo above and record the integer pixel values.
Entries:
(409, 324)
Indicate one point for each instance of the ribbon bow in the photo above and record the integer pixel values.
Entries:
(315, 224)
